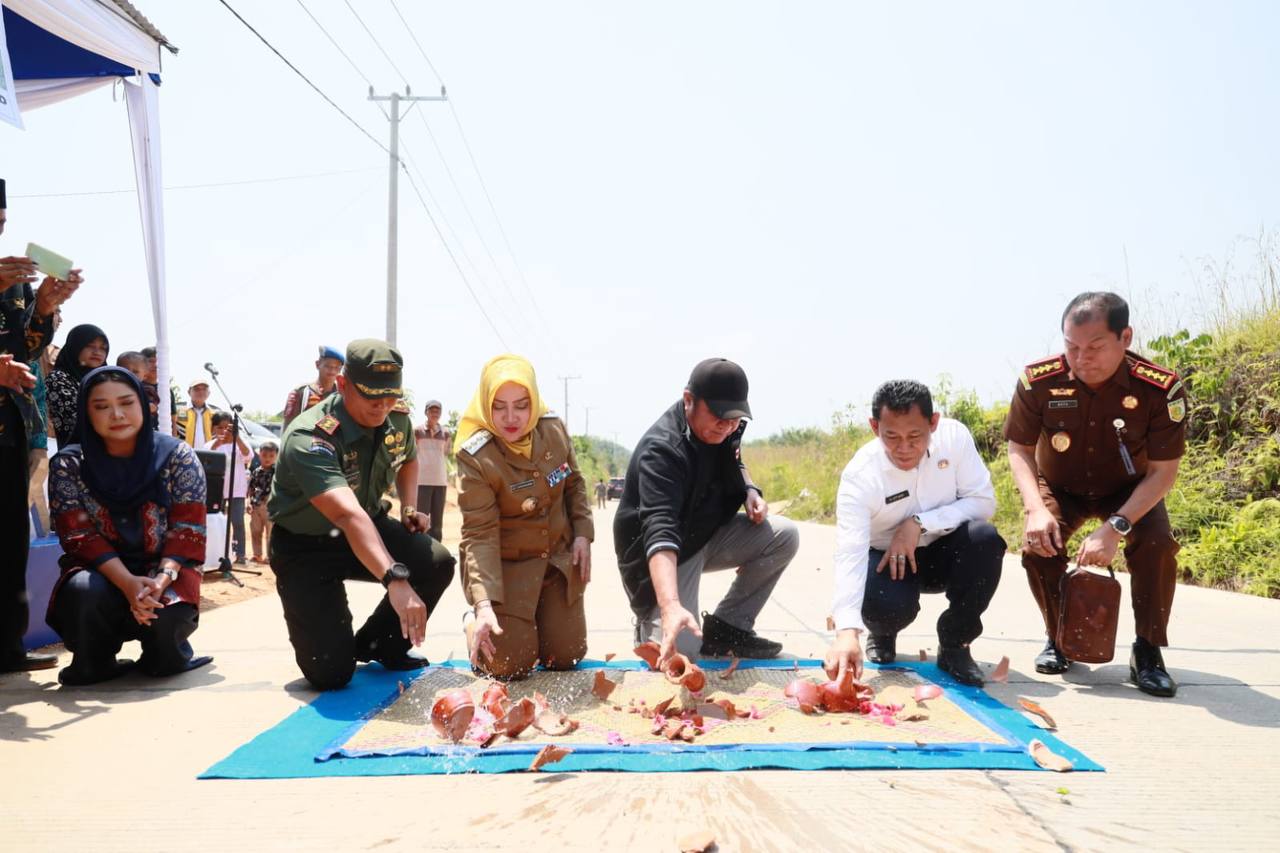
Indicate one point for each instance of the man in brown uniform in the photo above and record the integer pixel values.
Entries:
(1097, 433)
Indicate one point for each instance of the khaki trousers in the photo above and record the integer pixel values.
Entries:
(556, 636)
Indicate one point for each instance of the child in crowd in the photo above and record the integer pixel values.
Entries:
(259, 491)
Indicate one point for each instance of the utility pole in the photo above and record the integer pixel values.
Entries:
(566, 380)
(587, 430)
(393, 196)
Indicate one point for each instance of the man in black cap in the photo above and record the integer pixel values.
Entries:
(26, 327)
(331, 524)
(679, 517)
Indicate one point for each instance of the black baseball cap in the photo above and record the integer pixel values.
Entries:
(722, 385)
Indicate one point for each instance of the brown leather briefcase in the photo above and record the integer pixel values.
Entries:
(1089, 615)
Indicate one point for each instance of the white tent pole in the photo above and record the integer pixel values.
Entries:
(143, 100)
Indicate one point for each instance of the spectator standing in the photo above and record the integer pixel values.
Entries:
(233, 493)
(259, 491)
(602, 495)
(38, 443)
(151, 384)
(86, 349)
(26, 326)
(197, 419)
(328, 366)
(433, 443)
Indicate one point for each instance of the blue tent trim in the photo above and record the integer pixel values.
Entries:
(38, 54)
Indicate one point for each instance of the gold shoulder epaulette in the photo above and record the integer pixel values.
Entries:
(1161, 377)
(401, 406)
(1045, 368)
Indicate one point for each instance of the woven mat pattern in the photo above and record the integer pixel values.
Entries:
(404, 725)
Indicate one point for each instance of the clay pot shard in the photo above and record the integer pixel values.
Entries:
(925, 692)
(549, 754)
(1001, 672)
(733, 667)
(1048, 759)
(698, 842)
(833, 698)
(807, 694)
(519, 718)
(603, 686)
(452, 713)
(648, 652)
(496, 701)
(1034, 708)
(680, 670)
(554, 724)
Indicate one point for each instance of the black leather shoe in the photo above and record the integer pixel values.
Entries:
(720, 639)
(403, 662)
(28, 662)
(79, 676)
(957, 662)
(882, 648)
(1146, 669)
(1052, 661)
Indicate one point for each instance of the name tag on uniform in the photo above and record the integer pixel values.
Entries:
(524, 484)
(1064, 404)
(895, 498)
(557, 476)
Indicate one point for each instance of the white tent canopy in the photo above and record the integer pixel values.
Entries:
(53, 45)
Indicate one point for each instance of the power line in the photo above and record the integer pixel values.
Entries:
(305, 78)
(467, 208)
(244, 182)
(409, 30)
(377, 43)
(334, 42)
(462, 247)
(456, 265)
(466, 144)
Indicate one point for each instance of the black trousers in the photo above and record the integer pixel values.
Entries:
(309, 574)
(431, 501)
(15, 524)
(93, 619)
(965, 564)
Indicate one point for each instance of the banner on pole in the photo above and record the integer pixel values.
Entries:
(8, 89)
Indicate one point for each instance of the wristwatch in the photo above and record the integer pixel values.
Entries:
(395, 572)
(408, 511)
(170, 573)
(1120, 524)
(917, 520)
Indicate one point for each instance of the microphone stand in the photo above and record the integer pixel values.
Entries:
(225, 564)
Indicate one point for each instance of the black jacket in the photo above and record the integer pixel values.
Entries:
(678, 492)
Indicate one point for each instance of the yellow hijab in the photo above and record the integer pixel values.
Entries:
(479, 415)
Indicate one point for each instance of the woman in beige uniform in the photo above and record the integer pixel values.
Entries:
(526, 527)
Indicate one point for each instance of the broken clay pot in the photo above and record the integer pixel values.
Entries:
(680, 670)
(648, 652)
(519, 718)
(452, 713)
(496, 701)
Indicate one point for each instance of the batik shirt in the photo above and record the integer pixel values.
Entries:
(91, 534)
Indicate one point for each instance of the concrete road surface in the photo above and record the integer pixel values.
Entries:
(114, 768)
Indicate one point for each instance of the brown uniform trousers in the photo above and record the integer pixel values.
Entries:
(1077, 433)
(1150, 552)
(519, 519)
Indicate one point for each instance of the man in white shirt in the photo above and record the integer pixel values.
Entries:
(913, 515)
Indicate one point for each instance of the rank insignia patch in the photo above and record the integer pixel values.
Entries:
(558, 475)
(1062, 392)
(328, 424)
(1157, 376)
(1177, 410)
(1045, 369)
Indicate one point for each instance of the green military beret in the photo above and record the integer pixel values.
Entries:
(375, 367)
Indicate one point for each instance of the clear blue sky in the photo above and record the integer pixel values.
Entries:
(832, 194)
